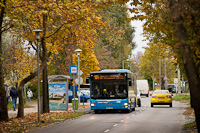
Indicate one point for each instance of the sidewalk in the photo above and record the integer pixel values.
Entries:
(34, 108)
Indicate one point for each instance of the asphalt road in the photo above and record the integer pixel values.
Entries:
(159, 119)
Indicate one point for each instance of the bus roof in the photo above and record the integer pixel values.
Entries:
(113, 71)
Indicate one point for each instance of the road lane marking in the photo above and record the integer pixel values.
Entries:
(127, 117)
(115, 125)
(122, 121)
(133, 115)
(106, 131)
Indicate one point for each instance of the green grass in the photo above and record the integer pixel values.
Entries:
(190, 125)
(182, 98)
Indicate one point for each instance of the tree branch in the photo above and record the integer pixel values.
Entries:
(61, 27)
(31, 76)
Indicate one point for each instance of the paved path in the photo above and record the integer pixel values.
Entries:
(34, 109)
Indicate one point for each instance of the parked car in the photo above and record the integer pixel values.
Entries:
(171, 88)
(83, 96)
(86, 92)
(161, 97)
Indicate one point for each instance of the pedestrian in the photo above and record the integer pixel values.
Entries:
(29, 95)
(13, 94)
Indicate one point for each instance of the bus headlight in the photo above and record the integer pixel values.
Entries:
(125, 104)
(92, 104)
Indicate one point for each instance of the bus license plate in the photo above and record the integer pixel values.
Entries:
(109, 107)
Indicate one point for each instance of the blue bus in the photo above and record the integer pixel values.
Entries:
(113, 89)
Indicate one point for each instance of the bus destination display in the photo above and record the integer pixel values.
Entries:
(100, 77)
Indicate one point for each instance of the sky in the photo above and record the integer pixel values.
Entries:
(138, 39)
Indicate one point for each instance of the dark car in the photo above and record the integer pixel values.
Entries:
(171, 88)
(83, 96)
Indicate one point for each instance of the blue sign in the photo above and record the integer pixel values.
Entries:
(73, 70)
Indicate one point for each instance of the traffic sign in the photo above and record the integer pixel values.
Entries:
(73, 69)
(81, 80)
(81, 72)
(165, 78)
(176, 80)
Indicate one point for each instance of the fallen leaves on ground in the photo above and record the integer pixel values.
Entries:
(30, 121)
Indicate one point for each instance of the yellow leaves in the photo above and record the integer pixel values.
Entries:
(43, 12)
(30, 121)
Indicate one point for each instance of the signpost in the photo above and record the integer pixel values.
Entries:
(77, 80)
(74, 72)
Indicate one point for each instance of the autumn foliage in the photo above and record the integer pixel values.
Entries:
(30, 122)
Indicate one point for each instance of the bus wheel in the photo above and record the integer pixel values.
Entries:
(133, 109)
(96, 111)
(139, 103)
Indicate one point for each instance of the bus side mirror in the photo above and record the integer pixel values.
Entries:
(130, 83)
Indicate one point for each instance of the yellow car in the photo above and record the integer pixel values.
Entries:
(161, 97)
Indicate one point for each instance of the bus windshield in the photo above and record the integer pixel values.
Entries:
(109, 86)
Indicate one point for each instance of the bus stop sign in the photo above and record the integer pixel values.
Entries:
(73, 70)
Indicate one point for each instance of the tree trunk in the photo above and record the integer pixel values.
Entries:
(20, 113)
(3, 98)
(194, 82)
(45, 92)
(44, 61)
(190, 68)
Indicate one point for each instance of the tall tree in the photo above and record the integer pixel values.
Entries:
(149, 63)
(58, 20)
(116, 43)
(5, 25)
(176, 23)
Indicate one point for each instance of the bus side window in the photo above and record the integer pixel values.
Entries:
(130, 83)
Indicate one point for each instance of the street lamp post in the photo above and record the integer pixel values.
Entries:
(78, 53)
(165, 73)
(123, 64)
(159, 71)
(37, 34)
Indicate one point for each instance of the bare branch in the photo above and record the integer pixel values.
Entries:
(61, 27)
(7, 28)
